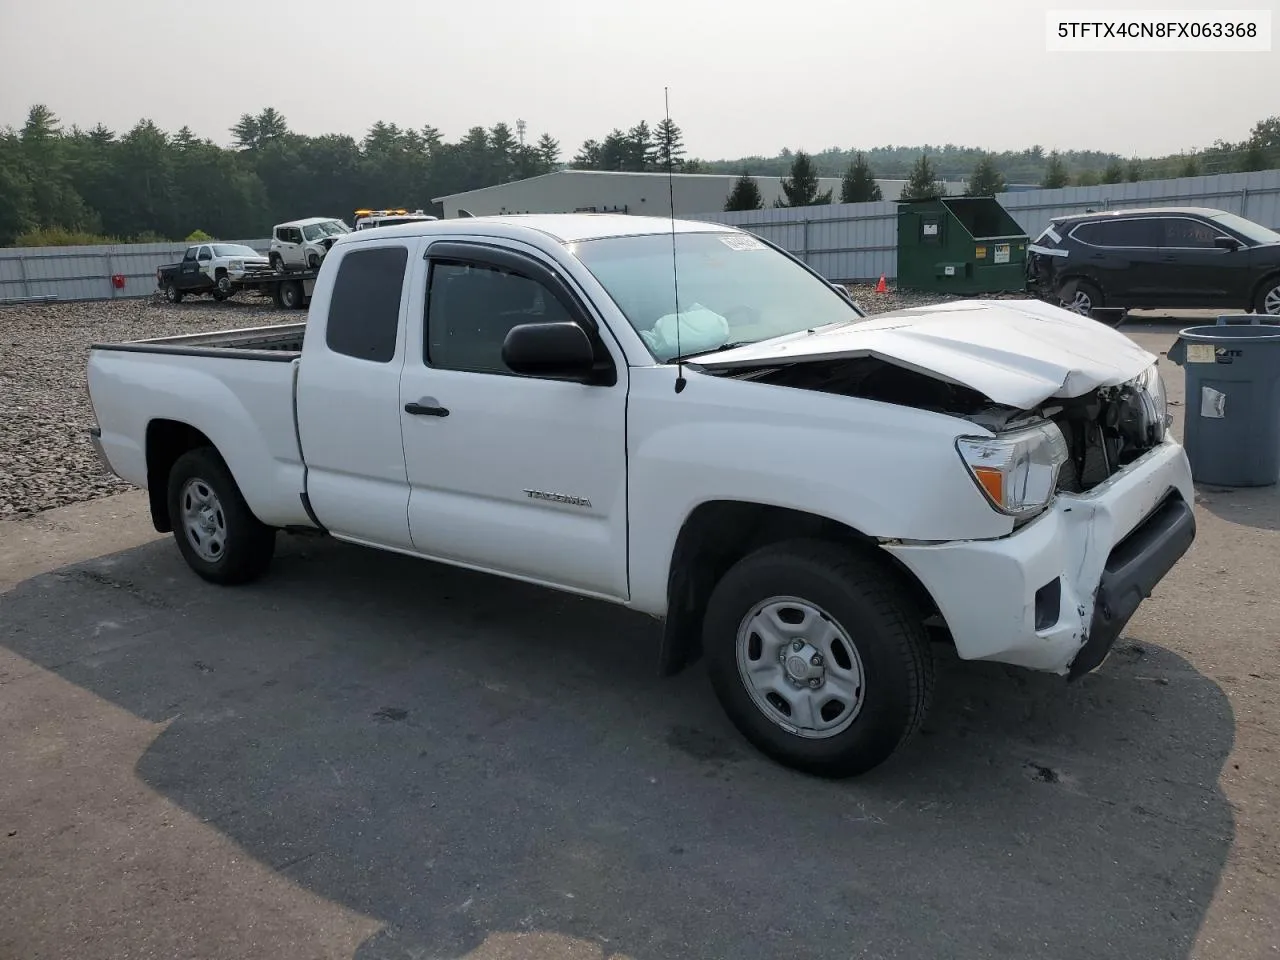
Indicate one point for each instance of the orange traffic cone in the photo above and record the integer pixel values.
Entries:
(882, 287)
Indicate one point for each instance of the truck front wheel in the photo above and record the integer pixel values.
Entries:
(818, 656)
(217, 533)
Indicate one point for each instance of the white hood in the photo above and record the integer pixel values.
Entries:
(1016, 352)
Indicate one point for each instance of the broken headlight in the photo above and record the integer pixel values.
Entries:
(1155, 400)
(1017, 471)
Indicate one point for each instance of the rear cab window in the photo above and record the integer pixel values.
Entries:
(364, 308)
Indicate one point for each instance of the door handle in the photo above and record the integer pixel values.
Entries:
(427, 409)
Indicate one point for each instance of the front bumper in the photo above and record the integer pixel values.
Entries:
(1056, 594)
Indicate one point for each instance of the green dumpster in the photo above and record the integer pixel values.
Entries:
(963, 245)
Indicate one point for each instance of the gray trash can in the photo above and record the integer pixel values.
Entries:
(1231, 419)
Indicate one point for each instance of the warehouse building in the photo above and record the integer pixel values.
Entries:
(599, 191)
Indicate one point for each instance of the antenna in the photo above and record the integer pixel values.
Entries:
(675, 273)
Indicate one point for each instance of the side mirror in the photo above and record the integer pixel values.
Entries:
(1226, 243)
(560, 350)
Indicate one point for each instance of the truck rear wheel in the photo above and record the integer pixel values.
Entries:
(216, 532)
(291, 295)
(172, 293)
(819, 657)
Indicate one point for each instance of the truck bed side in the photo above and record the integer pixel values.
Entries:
(240, 399)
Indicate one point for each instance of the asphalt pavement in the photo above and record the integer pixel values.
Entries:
(367, 756)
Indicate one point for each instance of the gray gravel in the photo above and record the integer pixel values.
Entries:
(46, 459)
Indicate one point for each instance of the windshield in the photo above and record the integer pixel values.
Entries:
(234, 250)
(1253, 232)
(330, 228)
(733, 290)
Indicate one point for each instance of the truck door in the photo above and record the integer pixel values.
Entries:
(204, 261)
(348, 399)
(188, 271)
(513, 474)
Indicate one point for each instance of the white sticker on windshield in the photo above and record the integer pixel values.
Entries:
(741, 242)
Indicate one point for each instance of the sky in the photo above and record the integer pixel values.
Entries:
(744, 78)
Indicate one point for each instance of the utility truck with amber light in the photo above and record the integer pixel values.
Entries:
(689, 422)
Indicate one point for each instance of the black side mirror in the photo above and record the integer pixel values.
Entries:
(1226, 243)
(560, 351)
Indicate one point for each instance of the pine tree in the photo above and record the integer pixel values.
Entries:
(548, 150)
(1055, 173)
(858, 184)
(670, 145)
(986, 180)
(1114, 173)
(615, 152)
(801, 187)
(640, 151)
(589, 156)
(923, 183)
(1134, 171)
(745, 194)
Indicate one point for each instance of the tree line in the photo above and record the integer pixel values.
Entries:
(71, 186)
(147, 184)
(989, 173)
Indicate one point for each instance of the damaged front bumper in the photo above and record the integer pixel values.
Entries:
(1055, 594)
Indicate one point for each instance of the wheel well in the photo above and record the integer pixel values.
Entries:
(1260, 286)
(167, 440)
(718, 534)
(219, 271)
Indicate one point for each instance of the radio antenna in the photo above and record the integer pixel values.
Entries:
(675, 273)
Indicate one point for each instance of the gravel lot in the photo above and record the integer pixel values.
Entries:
(46, 459)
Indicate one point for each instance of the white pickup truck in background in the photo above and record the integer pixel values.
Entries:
(806, 496)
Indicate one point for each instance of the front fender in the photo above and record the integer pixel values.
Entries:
(886, 471)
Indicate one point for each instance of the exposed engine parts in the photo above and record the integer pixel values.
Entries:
(1104, 429)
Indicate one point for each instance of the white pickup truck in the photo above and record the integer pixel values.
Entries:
(806, 496)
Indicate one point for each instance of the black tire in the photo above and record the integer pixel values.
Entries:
(172, 293)
(1085, 292)
(276, 261)
(862, 597)
(313, 261)
(222, 286)
(1267, 300)
(291, 295)
(247, 544)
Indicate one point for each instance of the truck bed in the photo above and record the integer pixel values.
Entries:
(280, 342)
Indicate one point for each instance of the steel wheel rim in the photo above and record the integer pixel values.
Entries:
(800, 667)
(203, 520)
(1271, 302)
(224, 284)
(170, 293)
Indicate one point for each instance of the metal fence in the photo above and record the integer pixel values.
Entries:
(857, 242)
(848, 242)
(84, 273)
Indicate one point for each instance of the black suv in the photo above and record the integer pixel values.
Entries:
(1156, 258)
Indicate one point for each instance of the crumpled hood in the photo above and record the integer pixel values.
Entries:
(1019, 353)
